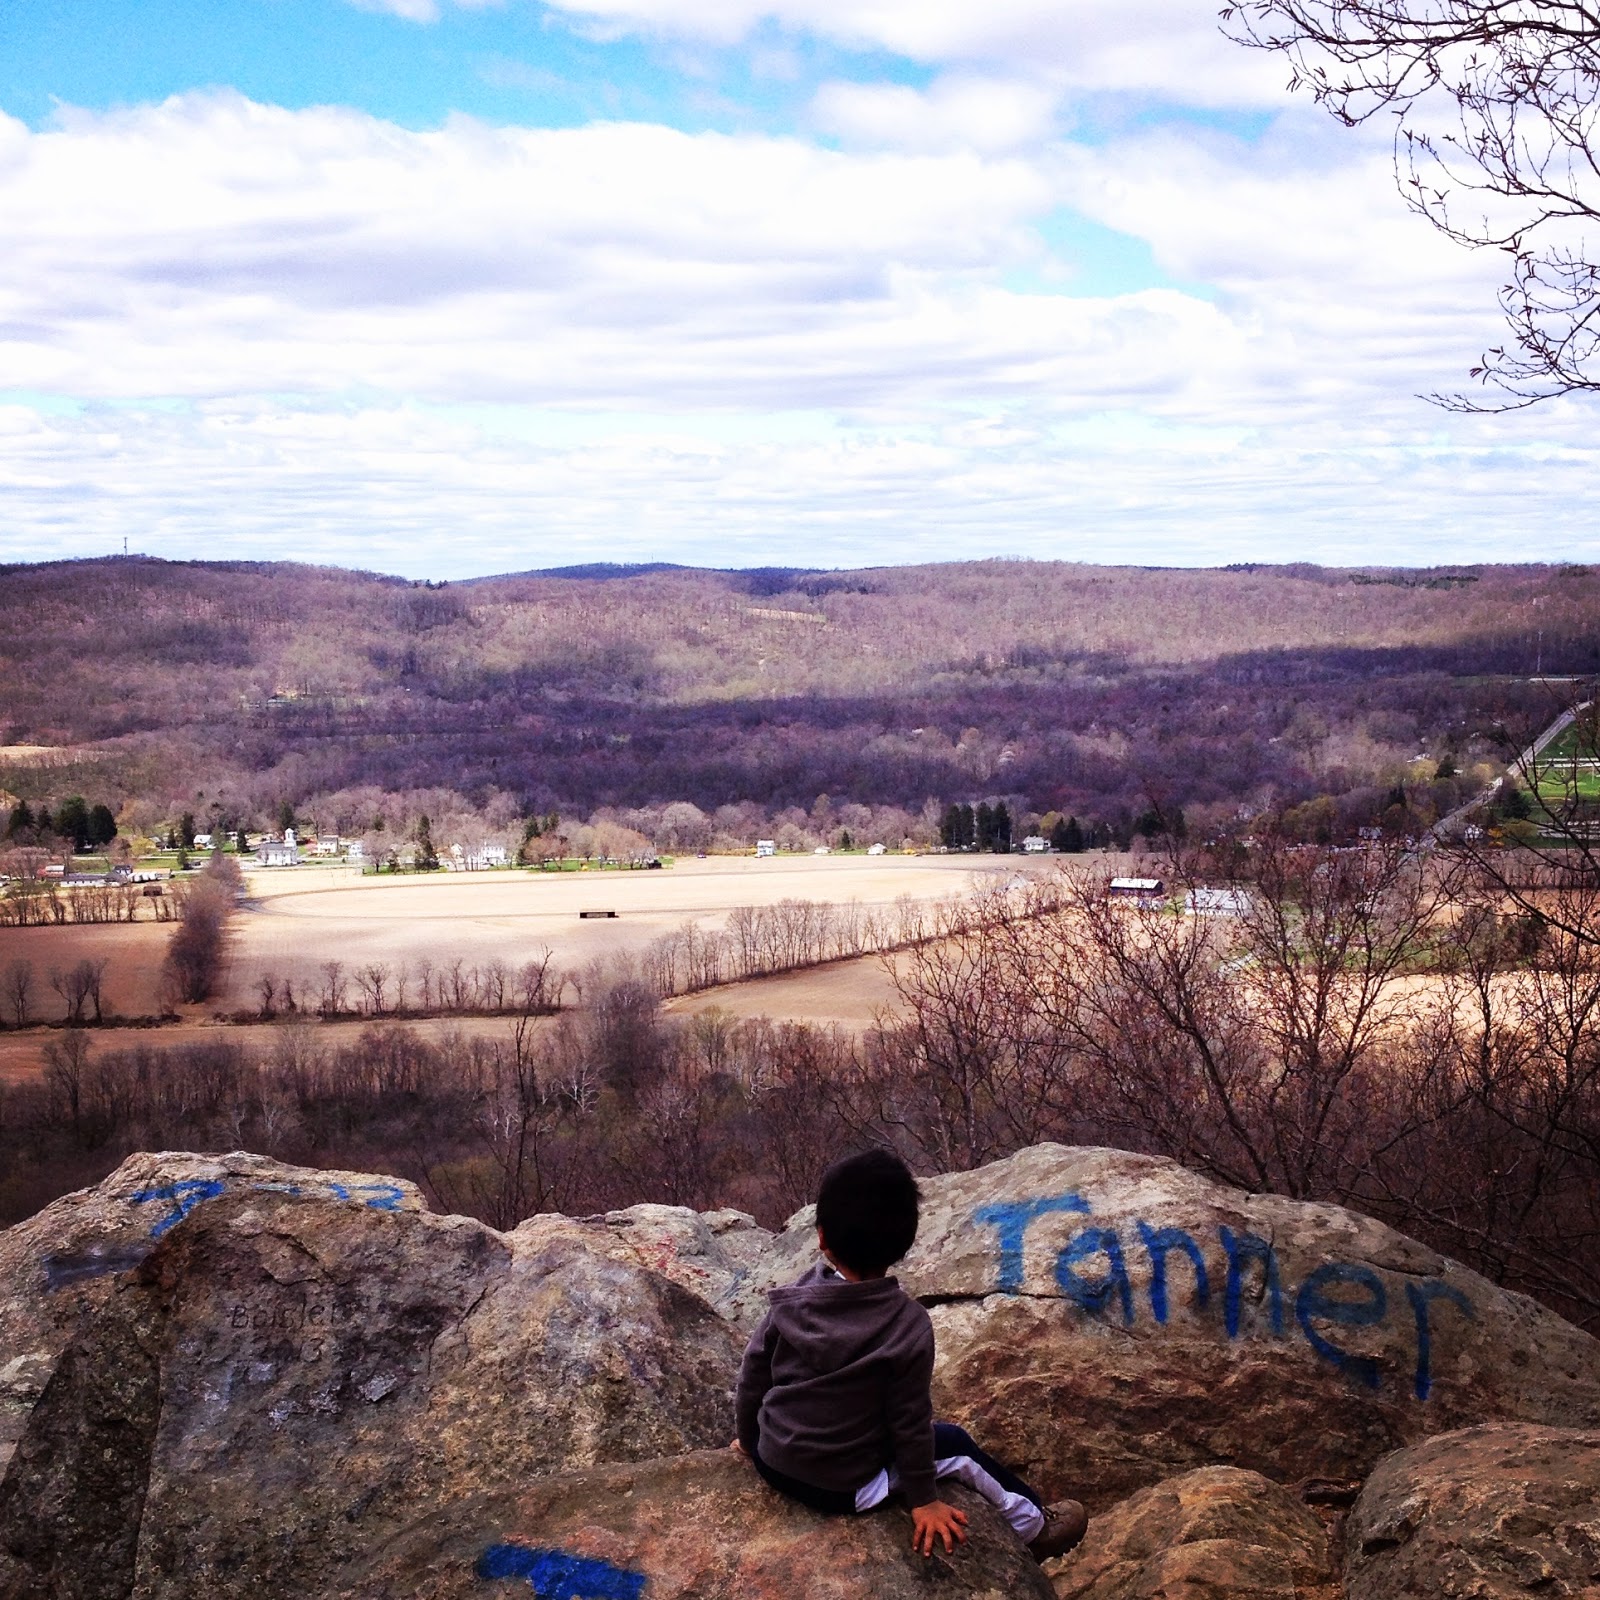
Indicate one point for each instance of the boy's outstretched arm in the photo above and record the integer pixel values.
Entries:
(934, 1521)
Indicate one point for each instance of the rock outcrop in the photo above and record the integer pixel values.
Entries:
(58, 1267)
(1501, 1510)
(714, 1254)
(700, 1527)
(232, 1378)
(1106, 1320)
(1217, 1533)
(283, 1377)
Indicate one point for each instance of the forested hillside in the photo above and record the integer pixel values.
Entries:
(232, 690)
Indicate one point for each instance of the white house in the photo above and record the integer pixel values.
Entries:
(877, 849)
(766, 847)
(1216, 902)
(278, 852)
(479, 858)
(327, 844)
(1035, 844)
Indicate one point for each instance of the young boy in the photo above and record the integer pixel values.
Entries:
(833, 1405)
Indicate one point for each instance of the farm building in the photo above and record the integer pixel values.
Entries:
(1216, 902)
(1137, 891)
(278, 852)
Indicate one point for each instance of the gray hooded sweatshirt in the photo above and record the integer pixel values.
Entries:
(834, 1385)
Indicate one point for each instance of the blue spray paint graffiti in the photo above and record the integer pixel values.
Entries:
(1333, 1295)
(1419, 1294)
(190, 1192)
(1010, 1220)
(185, 1197)
(555, 1575)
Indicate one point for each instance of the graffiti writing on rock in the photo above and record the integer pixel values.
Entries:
(1092, 1273)
(186, 1194)
(557, 1575)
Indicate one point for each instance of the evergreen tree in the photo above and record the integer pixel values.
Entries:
(72, 821)
(969, 828)
(950, 828)
(22, 819)
(1000, 830)
(983, 819)
(427, 856)
(102, 826)
(186, 830)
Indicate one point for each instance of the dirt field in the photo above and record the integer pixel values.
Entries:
(297, 919)
(850, 993)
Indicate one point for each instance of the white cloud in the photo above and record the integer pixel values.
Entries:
(955, 113)
(401, 288)
(1168, 47)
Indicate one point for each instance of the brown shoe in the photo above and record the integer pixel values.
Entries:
(1065, 1523)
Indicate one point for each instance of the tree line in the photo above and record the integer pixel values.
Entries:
(1373, 1028)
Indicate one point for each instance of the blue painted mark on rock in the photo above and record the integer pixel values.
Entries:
(558, 1575)
(185, 1196)
(1333, 1295)
(187, 1193)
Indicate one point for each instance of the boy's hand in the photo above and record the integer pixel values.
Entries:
(936, 1520)
(739, 1450)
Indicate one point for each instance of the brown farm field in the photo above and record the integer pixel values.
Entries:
(296, 920)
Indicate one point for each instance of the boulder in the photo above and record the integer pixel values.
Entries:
(701, 1526)
(1106, 1320)
(58, 1267)
(714, 1254)
(283, 1377)
(1506, 1509)
(1217, 1533)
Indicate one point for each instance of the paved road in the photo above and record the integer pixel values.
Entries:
(1445, 827)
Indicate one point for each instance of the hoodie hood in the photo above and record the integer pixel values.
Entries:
(832, 1323)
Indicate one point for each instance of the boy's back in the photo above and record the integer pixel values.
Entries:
(835, 1384)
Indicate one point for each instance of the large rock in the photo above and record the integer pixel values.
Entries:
(1106, 1320)
(714, 1254)
(285, 1377)
(700, 1527)
(1217, 1533)
(1502, 1510)
(58, 1267)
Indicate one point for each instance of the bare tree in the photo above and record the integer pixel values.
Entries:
(197, 955)
(16, 990)
(78, 986)
(373, 981)
(66, 1065)
(1494, 108)
(332, 998)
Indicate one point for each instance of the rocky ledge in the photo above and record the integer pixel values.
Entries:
(221, 1376)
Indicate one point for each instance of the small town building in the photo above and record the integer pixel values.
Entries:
(328, 844)
(1217, 902)
(1035, 844)
(282, 852)
(766, 847)
(1137, 891)
(877, 849)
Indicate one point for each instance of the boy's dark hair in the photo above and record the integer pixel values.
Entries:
(867, 1210)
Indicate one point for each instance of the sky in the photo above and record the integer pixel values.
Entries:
(453, 287)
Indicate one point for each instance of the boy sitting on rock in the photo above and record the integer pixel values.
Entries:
(833, 1404)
